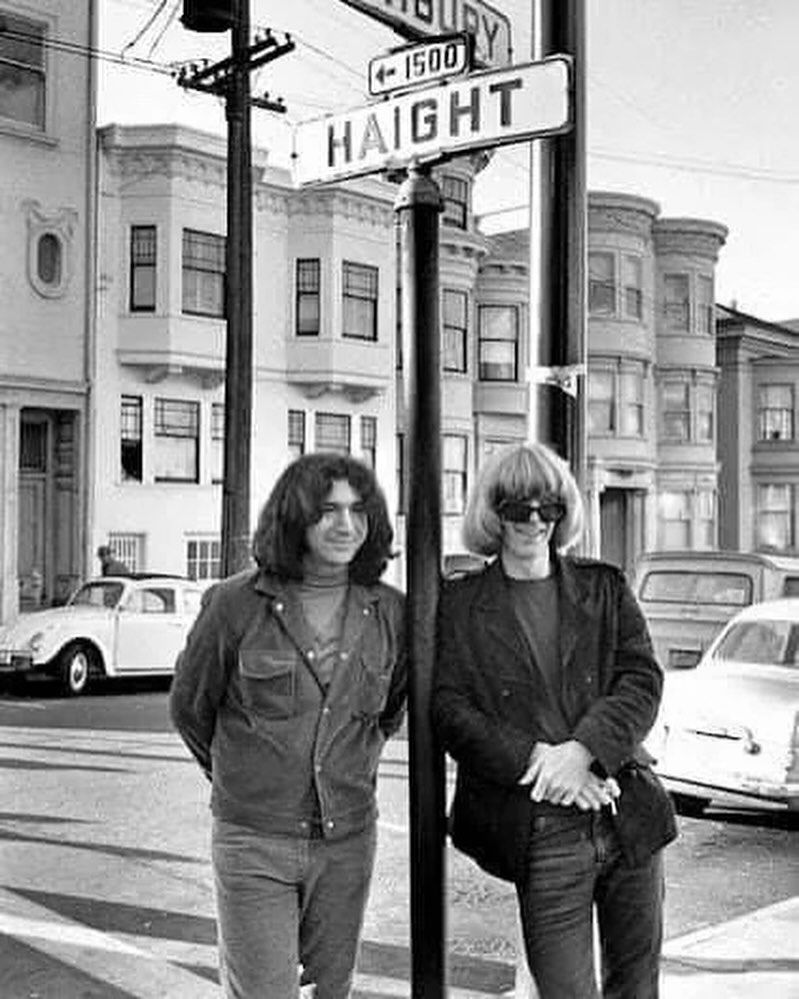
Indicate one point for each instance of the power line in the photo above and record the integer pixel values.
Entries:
(145, 27)
(89, 52)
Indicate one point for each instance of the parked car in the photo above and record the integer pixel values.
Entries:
(729, 730)
(112, 626)
(688, 596)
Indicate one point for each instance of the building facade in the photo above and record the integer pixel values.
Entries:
(47, 134)
(144, 394)
(758, 447)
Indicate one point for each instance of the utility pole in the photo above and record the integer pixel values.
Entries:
(558, 246)
(418, 205)
(230, 78)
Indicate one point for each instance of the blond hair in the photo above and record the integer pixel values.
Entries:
(521, 472)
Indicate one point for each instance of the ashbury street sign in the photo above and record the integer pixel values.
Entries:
(481, 110)
(417, 18)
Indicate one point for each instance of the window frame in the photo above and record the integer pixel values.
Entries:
(137, 266)
(218, 243)
(765, 434)
(368, 430)
(217, 438)
(484, 310)
(189, 406)
(787, 512)
(455, 198)
(602, 287)
(38, 123)
(683, 519)
(454, 334)
(349, 270)
(684, 412)
(296, 441)
(454, 475)
(343, 420)
(677, 312)
(131, 404)
(307, 295)
(208, 554)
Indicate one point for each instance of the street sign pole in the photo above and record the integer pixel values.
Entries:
(558, 242)
(418, 206)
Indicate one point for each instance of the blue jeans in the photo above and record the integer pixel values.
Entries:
(575, 865)
(283, 902)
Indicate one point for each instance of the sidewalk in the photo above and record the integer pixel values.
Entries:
(755, 956)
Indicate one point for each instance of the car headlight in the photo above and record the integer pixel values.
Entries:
(35, 642)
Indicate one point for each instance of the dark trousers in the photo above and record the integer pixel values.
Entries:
(576, 866)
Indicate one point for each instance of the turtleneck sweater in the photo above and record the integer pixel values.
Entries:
(323, 600)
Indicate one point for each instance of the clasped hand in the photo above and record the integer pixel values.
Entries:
(561, 775)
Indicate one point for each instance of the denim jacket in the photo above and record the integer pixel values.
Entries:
(284, 755)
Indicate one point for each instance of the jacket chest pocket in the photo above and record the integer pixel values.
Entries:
(372, 692)
(268, 682)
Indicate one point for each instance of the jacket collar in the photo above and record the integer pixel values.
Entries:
(361, 601)
(576, 607)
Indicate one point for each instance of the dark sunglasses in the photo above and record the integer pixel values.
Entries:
(520, 511)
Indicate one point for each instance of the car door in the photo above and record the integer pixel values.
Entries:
(151, 629)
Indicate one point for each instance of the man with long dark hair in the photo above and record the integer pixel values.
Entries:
(291, 680)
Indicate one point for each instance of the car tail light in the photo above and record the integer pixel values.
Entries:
(792, 776)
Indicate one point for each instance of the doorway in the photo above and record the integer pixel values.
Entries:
(621, 527)
(47, 538)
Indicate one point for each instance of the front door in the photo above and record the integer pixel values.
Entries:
(48, 508)
(621, 525)
(33, 563)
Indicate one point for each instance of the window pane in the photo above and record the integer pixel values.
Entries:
(307, 305)
(674, 514)
(775, 519)
(632, 276)
(705, 409)
(454, 473)
(676, 301)
(333, 432)
(296, 433)
(131, 438)
(369, 440)
(142, 267)
(48, 259)
(632, 393)
(455, 193)
(203, 273)
(775, 412)
(498, 326)
(454, 310)
(176, 442)
(600, 402)
(360, 283)
(705, 304)
(497, 361)
(22, 78)
(601, 284)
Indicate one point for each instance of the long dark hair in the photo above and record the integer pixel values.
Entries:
(295, 504)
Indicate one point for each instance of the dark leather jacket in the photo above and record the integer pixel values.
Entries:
(282, 754)
(484, 695)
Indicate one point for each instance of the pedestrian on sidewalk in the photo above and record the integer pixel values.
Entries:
(109, 564)
(545, 686)
(291, 680)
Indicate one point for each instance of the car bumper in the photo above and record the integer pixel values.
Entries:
(13, 661)
(746, 793)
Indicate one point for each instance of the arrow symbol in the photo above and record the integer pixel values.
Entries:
(383, 72)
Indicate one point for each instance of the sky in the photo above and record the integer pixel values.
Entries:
(691, 103)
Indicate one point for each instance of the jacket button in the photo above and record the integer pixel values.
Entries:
(344, 656)
(366, 612)
(311, 654)
(279, 607)
(330, 824)
(325, 710)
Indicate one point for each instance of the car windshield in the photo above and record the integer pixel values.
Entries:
(766, 643)
(97, 595)
(733, 588)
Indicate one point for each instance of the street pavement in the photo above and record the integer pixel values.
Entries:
(105, 889)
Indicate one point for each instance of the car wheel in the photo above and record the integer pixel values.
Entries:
(688, 805)
(75, 668)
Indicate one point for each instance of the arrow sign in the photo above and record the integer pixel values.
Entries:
(480, 111)
(412, 65)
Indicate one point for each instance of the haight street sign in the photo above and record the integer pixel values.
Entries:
(482, 110)
(416, 18)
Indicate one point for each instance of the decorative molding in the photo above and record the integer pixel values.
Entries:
(352, 393)
(60, 224)
(338, 203)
